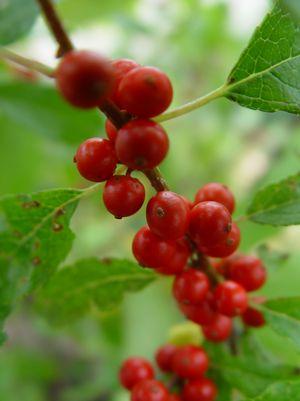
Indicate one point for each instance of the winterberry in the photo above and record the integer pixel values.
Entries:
(191, 287)
(199, 390)
(111, 131)
(145, 92)
(150, 390)
(168, 215)
(219, 330)
(174, 397)
(248, 271)
(84, 78)
(178, 263)
(123, 195)
(96, 159)
(210, 223)
(190, 362)
(141, 144)
(202, 314)
(135, 370)
(226, 247)
(164, 356)
(230, 298)
(253, 318)
(216, 192)
(121, 67)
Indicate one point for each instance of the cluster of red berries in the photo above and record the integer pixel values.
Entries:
(187, 365)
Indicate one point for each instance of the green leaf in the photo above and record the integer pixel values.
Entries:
(267, 76)
(281, 391)
(34, 239)
(283, 316)
(272, 258)
(16, 19)
(90, 285)
(277, 204)
(40, 108)
(251, 370)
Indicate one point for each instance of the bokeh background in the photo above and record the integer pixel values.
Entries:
(196, 42)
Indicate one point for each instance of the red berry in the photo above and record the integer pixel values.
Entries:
(226, 247)
(111, 131)
(210, 223)
(248, 271)
(216, 192)
(121, 67)
(199, 390)
(253, 318)
(178, 263)
(230, 298)
(135, 370)
(123, 195)
(190, 362)
(202, 314)
(154, 252)
(219, 330)
(141, 144)
(164, 356)
(85, 79)
(145, 92)
(96, 159)
(168, 215)
(191, 287)
(149, 390)
(174, 397)
(223, 266)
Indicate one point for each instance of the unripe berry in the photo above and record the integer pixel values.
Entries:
(210, 223)
(123, 195)
(248, 271)
(135, 370)
(145, 92)
(226, 247)
(168, 215)
(141, 144)
(216, 192)
(219, 330)
(253, 318)
(84, 78)
(96, 159)
(164, 356)
(150, 390)
(121, 67)
(190, 362)
(111, 131)
(230, 299)
(199, 390)
(202, 314)
(191, 287)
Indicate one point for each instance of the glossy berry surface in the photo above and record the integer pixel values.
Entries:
(121, 67)
(216, 192)
(84, 78)
(174, 397)
(253, 318)
(145, 92)
(248, 271)
(202, 314)
(155, 252)
(230, 298)
(134, 370)
(164, 356)
(96, 159)
(168, 215)
(191, 287)
(123, 195)
(190, 362)
(210, 223)
(219, 330)
(226, 247)
(111, 131)
(149, 390)
(199, 390)
(141, 144)
(178, 262)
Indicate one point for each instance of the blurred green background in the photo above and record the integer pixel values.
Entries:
(197, 43)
